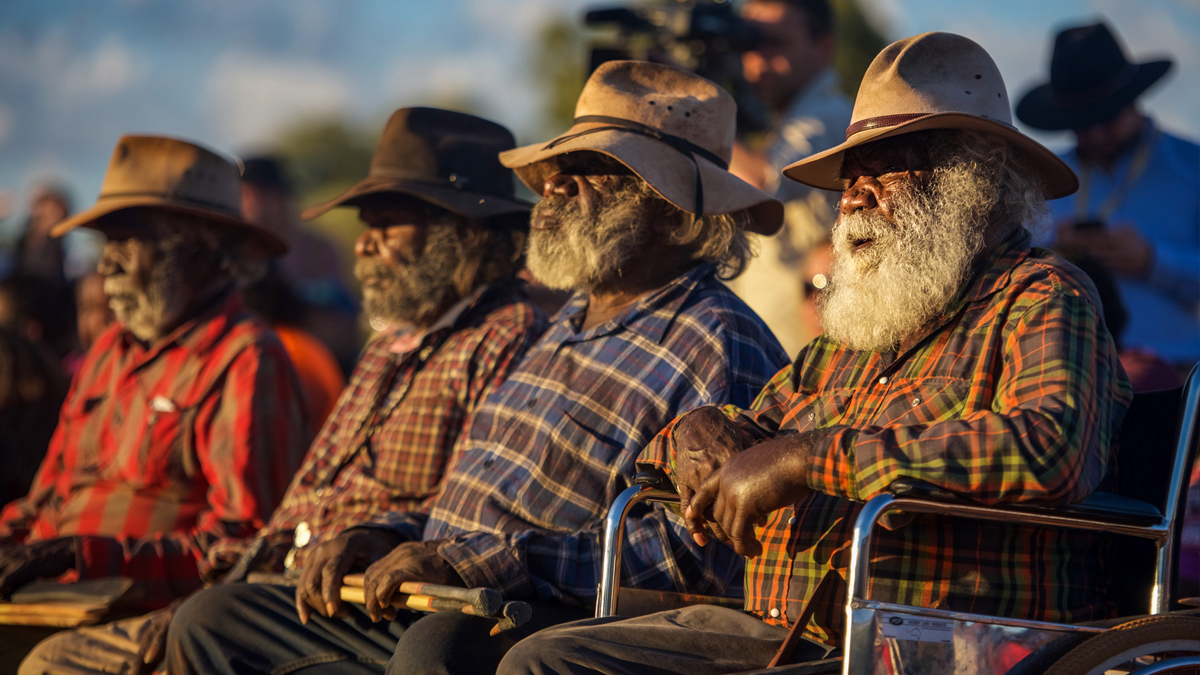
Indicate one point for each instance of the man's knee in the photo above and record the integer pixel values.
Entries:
(447, 644)
(538, 654)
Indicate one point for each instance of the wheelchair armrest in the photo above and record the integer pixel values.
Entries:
(656, 479)
(1100, 506)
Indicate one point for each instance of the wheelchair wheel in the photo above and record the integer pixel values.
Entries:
(1157, 644)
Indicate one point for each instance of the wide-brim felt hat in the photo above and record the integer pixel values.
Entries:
(1091, 81)
(672, 128)
(446, 158)
(170, 174)
(933, 81)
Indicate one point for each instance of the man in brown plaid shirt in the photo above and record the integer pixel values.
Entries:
(437, 263)
(955, 353)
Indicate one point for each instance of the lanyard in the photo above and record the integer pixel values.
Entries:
(1109, 206)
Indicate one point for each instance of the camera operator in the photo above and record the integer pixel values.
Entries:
(791, 71)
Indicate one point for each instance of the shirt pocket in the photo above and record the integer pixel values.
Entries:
(820, 411)
(923, 402)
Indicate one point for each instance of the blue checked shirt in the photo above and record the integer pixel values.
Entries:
(548, 451)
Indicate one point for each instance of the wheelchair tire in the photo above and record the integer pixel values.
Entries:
(1156, 635)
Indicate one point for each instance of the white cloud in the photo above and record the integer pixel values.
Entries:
(252, 98)
(111, 69)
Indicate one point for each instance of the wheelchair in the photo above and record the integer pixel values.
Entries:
(1156, 633)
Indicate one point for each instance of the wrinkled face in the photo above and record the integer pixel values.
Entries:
(908, 233)
(146, 283)
(788, 54)
(592, 219)
(407, 260)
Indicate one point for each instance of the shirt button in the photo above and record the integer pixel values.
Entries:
(792, 520)
(883, 380)
(488, 464)
(532, 402)
(774, 612)
(811, 417)
(916, 402)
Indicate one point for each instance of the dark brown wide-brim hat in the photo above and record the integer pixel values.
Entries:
(170, 174)
(933, 81)
(446, 158)
(672, 128)
(1090, 81)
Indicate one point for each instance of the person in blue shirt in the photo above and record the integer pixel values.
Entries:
(1137, 211)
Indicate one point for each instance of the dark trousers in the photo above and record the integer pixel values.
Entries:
(254, 628)
(699, 640)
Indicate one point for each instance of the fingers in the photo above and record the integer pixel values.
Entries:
(306, 590)
(742, 536)
(155, 639)
(331, 583)
(701, 500)
(379, 584)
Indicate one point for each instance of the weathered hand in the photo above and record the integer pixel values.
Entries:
(410, 561)
(749, 487)
(154, 639)
(704, 440)
(321, 581)
(22, 563)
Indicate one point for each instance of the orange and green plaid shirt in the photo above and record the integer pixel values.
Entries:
(1013, 395)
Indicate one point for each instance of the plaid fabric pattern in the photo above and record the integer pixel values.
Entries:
(552, 447)
(1014, 395)
(159, 452)
(387, 444)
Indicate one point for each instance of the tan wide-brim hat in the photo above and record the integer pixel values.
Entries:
(672, 128)
(173, 175)
(933, 81)
(443, 157)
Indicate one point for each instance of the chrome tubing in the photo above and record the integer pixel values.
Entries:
(1184, 444)
(614, 542)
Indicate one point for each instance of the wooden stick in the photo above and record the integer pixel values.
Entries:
(513, 615)
(418, 602)
(484, 601)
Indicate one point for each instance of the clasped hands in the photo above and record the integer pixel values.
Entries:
(729, 484)
(388, 562)
(23, 563)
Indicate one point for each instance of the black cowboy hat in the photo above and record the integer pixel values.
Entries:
(446, 158)
(1090, 81)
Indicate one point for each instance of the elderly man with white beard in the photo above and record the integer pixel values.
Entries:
(955, 353)
(639, 217)
(185, 422)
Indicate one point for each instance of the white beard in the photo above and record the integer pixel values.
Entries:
(585, 252)
(888, 291)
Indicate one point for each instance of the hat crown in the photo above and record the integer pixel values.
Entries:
(445, 147)
(671, 100)
(1085, 59)
(177, 171)
(932, 73)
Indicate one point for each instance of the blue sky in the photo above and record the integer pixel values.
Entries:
(76, 74)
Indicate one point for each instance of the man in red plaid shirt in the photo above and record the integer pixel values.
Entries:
(954, 353)
(184, 424)
(438, 266)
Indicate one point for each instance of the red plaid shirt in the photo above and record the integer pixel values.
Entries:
(161, 451)
(388, 443)
(1013, 395)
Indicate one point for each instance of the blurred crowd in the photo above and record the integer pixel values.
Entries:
(1133, 228)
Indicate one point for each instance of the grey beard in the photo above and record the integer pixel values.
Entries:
(585, 253)
(889, 292)
(145, 312)
(413, 293)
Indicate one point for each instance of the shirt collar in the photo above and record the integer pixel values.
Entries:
(407, 340)
(649, 317)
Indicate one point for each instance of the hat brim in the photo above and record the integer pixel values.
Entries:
(670, 173)
(266, 244)
(823, 170)
(473, 205)
(1041, 109)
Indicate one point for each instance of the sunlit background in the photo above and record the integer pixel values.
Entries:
(313, 80)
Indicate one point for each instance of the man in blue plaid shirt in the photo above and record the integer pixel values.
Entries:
(640, 217)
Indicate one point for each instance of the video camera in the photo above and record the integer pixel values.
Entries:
(706, 37)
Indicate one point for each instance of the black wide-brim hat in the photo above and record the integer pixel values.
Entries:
(446, 158)
(1090, 81)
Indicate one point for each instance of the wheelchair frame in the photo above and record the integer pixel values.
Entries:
(960, 641)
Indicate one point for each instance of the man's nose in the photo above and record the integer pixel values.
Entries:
(863, 194)
(367, 244)
(560, 184)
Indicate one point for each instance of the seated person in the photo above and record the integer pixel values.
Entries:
(440, 270)
(185, 422)
(953, 353)
(652, 332)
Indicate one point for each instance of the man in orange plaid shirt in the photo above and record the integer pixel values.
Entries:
(954, 353)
